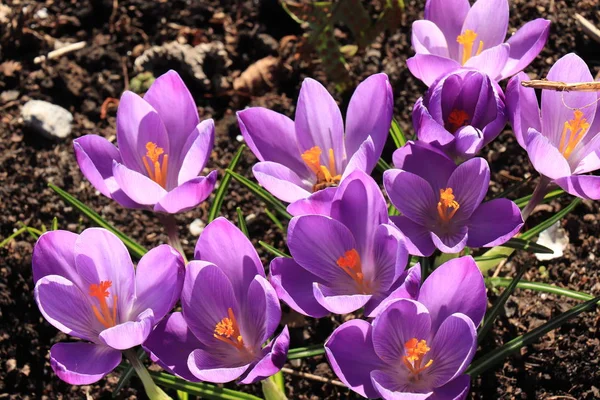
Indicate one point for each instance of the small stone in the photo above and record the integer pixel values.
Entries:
(589, 217)
(197, 226)
(11, 364)
(48, 119)
(239, 138)
(8, 95)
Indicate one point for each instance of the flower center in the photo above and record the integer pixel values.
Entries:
(415, 352)
(326, 177)
(466, 40)
(447, 206)
(228, 331)
(157, 170)
(573, 131)
(456, 120)
(350, 263)
(106, 316)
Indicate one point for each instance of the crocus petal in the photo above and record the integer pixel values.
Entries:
(456, 286)
(294, 286)
(490, 61)
(158, 281)
(337, 303)
(489, 20)
(319, 122)
(390, 257)
(369, 114)
(469, 183)
(522, 108)
(429, 67)
(206, 367)
(187, 195)
(546, 158)
(95, 156)
(82, 363)
(53, 254)
(456, 389)
(281, 181)
(274, 357)
(393, 387)
(589, 163)
(449, 16)
(451, 240)
(428, 130)
(411, 194)
(452, 348)
(468, 142)
(136, 186)
(272, 137)
(215, 246)
(584, 186)
(202, 139)
(493, 223)
(408, 289)
(364, 159)
(317, 203)
(129, 334)
(261, 313)
(345, 343)
(66, 308)
(427, 38)
(417, 237)
(170, 345)
(525, 45)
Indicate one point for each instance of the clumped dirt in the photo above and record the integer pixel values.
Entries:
(563, 364)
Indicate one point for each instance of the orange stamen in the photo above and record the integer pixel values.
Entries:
(350, 263)
(228, 331)
(456, 120)
(157, 171)
(107, 317)
(447, 206)
(415, 352)
(576, 129)
(467, 39)
(326, 177)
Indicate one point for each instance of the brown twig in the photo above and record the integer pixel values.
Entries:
(60, 52)
(312, 377)
(562, 86)
(589, 28)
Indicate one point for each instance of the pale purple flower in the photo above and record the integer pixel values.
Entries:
(416, 348)
(312, 153)
(460, 113)
(562, 138)
(346, 259)
(454, 35)
(86, 286)
(163, 147)
(229, 311)
(441, 203)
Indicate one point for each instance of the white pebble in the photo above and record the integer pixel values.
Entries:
(197, 226)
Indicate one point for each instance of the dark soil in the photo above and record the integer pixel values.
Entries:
(562, 365)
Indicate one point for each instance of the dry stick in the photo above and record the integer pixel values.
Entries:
(60, 52)
(313, 377)
(562, 86)
(589, 28)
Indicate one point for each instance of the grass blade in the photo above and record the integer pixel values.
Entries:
(550, 221)
(215, 207)
(512, 188)
(383, 165)
(522, 202)
(273, 250)
(542, 287)
(262, 193)
(54, 225)
(304, 352)
(242, 222)
(275, 220)
(397, 134)
(14, 235)
(518, 243)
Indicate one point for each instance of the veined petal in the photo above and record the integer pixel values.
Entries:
(429, 67)
(545, 157)
(525, 45)
(468, 142)
(491, 61)
(427, 38)
(261, 313)
(364, 159)
(451, 240)
(493, 223)
(584, 186)
(411, 194)
(489, 20)
(469, 183)
(82, 363)
(95, 157)
(188, 195)
(317, 203)
(456, 389)
(136, 186)
(54, 254)
(131, 333)
(207, 367)
(417, 237)
(201, 142)
(339, 302)
(449, 16)
(273, 359)
(522, 108)
(281, 181)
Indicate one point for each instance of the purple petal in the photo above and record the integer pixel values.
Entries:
(158, 281)
(364, 159)
(188, 195)
(589, 163)
(469, 183)
(490, 61)
(193, 162)
(522, 108)
(456, 286)
(449, 16)
(281, 181)
(336, 301)
(369, 114)
(468, 142)
(319, 122)
(83, 363)
(545, 157)
(451, 239)
(261, 313)
(390, 257)
(429, 67)
(411, 194)
(53, 254)
(408, 289)
(351, 355)
(396, 387)
(294, 286)
(427, 38)
(95, 157)
(586, 186)
(207, 367)
(489, 20)
(456, 389)
(136, 186)
(272, 137)
(215, 245)
(274, 357)
(67, 309)
(317, 203)
(525, 45)
(428, 130)
(417, 237)
(493, 223)
(452, 348)
(129, 334)
(170, 345)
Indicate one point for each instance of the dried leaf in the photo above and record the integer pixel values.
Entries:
(258, 76)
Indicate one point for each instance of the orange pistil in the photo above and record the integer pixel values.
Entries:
(228, 331)
(466, 40)
(576, 129)
(326, 177)
(157, 170)
(447, 206)
(456, 120)
(350, 263)
(107, 317)
(415, 352)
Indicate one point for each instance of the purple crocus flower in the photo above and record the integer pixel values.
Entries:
(229, 310)
(312, 153)
(415, 349)
(564, 142)
(348, 259)
(460, 113)
(163, 147)
(441, 205)
(454, 34)
(86, 286)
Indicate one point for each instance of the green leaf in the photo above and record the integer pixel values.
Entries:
(215, 207)
(136, 249)
(488, 360)
(541, 287)
(383, 165)
(526, 245)
(54, 225)
(127, 373)
(279, 380)
(14, 235)
(397, 134)
(273, 250)
(271, 389)
(242, 222)
(275, 220)
(522, 202)
(262, 193)
(304, 352)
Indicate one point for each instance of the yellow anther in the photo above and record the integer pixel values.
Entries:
(576, 129)
(447, 206)
(157, 170)
(466, 40)
(326, 177)
(228, 331)
(415, 352)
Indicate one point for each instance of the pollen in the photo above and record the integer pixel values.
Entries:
(156, 168)
(351, 264)
(447, 205)
(415, 352)
(573, 131)
(456, 120)
(466, 40)
(105, 315)
(228, 331)
(326, 176)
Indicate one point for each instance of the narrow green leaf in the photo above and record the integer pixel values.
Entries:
(54, 225)
(136, 249)
(273, 250)
(242, 221)
(512, 188)
(127, 373)
(14, 235)
(522, 202)
(541, 287)
(275, 220)
(383, 165)
(215, 207)
(393, 210)
(526, 245)
(304, 352)
(397, 134)
(488, 360)
(550, 221)
(182, 395)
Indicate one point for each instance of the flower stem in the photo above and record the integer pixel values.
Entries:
(538, 195)
(170, 225)
(153, 391)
